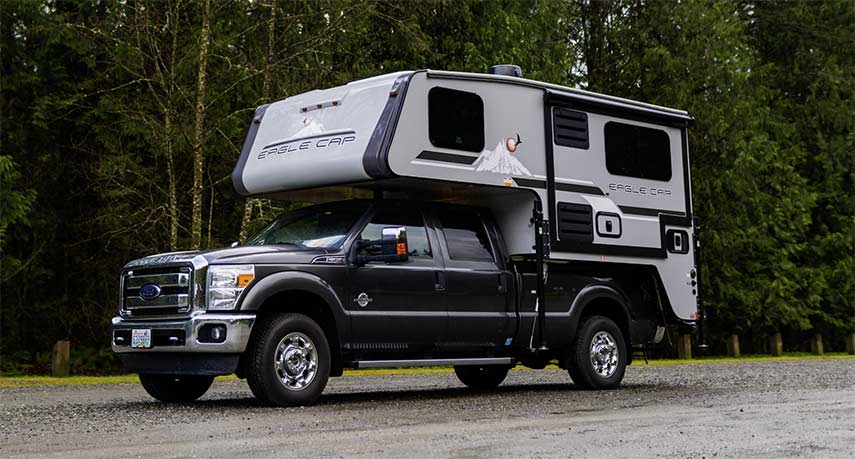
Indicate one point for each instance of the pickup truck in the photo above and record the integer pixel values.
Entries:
(374, 283)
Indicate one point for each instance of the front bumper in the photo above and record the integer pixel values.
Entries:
(186, 334)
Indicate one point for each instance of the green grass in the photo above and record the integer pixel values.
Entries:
(35, 381)
(744, 358)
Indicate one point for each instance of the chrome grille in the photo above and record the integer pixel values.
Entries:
(175, 291)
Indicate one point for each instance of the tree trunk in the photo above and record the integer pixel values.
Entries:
(265, 96)
(170, 153)
(199, 129)
(170, 172)
(247, 217)
(595, 13)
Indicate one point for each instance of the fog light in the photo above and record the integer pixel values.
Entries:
(212, 333)
(218, 333)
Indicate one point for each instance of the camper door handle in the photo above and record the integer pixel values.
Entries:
(439, 281)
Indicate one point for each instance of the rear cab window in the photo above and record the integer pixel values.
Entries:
(465, 235)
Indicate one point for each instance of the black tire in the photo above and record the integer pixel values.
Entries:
(582, 366)
(264, 378)
(175, 388)
(482, 377)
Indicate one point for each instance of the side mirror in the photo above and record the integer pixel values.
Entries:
(234, 244)
(392, 244)
(395, 243)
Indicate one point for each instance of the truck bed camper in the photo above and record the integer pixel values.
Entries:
(472, 220)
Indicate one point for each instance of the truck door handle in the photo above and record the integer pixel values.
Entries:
(503, 283)
(439, 281)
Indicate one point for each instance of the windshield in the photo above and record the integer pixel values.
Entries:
(323, 226)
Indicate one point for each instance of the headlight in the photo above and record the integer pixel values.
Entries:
(225, 284)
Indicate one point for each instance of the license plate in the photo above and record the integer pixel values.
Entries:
(141, 338)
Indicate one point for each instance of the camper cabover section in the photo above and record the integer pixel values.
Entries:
(319, 138)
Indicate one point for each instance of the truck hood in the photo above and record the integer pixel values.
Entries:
(279, 254)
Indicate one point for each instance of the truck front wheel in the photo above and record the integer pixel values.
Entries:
(175, 388)
(598, 357)
(289, 363)
(482, 377)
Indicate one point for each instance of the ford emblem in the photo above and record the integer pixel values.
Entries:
(149, 291)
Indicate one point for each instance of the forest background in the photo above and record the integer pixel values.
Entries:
(121, 120)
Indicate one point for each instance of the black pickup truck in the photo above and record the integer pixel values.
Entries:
(374, 283)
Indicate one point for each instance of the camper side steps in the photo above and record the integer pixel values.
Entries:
(432, 362)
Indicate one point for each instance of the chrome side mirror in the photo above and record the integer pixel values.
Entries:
(395, 243)
(392, 244)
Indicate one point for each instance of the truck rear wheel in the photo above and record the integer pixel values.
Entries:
(289, 364)
(175, 388)
(482, 377)
(598, 357)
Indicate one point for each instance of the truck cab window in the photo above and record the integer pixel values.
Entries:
(455, 119)
(417, 238)
(322, 226)
(465, 235)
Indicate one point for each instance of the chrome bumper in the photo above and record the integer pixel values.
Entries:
(238, 328)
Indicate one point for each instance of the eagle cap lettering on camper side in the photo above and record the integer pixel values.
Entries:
(318, 141)
(311, 135)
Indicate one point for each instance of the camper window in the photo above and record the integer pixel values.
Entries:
(636, 151)
(455, 119)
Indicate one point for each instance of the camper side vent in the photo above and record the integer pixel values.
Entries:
(570, 128)
(575, 222)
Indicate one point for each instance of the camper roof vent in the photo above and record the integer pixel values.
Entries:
(506, 70)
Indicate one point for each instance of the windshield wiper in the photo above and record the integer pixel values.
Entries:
(295, 244)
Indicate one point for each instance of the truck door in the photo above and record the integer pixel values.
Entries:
(480, 311)
(402, 304)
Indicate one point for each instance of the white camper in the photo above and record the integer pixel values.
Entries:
(611, 174)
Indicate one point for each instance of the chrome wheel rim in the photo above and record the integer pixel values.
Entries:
(604, 354)
(296, 361)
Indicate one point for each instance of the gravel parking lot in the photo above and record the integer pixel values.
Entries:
(768, 409)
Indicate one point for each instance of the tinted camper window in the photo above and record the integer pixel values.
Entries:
(455, 119)
(636, 151)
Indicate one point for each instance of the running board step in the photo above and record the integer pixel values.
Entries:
(432, 362)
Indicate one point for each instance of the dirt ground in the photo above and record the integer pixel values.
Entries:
(752, 409)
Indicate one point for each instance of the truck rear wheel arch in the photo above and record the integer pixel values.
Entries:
(301, 293)
(602, 300)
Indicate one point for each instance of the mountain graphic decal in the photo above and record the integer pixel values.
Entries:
(500, 160)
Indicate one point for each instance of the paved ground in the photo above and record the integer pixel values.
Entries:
(760, 409)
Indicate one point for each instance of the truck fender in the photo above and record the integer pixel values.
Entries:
(294, 280)
(590, 294)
